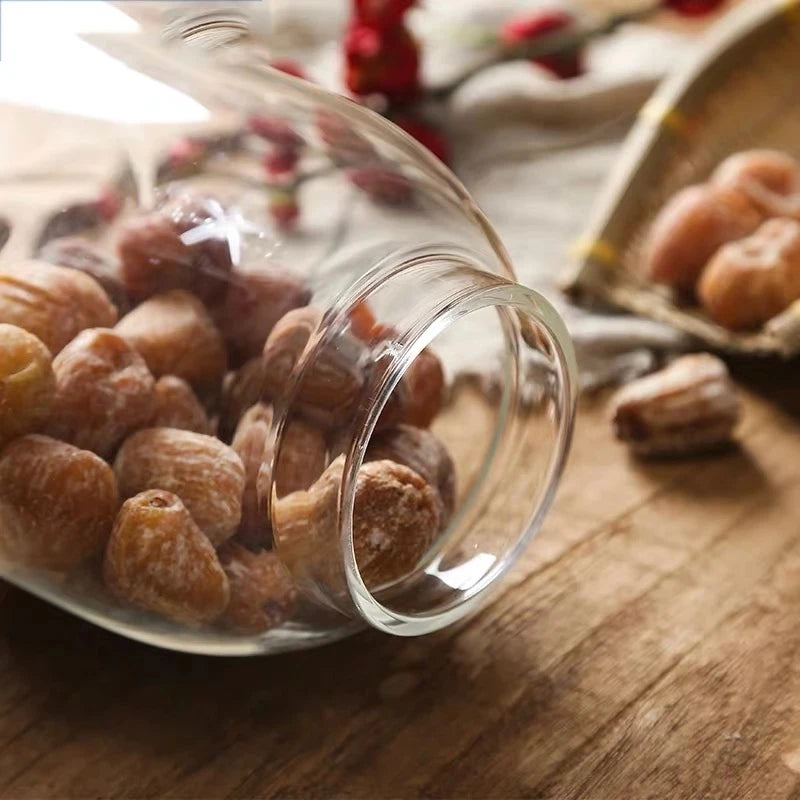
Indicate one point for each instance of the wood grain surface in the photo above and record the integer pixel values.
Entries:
(647, 647)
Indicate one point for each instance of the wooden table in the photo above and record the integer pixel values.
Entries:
(648, 646)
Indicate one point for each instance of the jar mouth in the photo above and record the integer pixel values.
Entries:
(469, 558)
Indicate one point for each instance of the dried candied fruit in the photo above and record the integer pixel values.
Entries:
(104, 390)
(57, 502)
(159, 560)
(204, 472)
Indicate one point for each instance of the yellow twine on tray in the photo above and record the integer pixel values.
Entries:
(595, 249)
(659, 112)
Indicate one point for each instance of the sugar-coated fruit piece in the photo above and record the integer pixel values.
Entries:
(690, 406)
(301, 457)
(104, 391)
(422, 451)
(424, 380)
(770, 178)
(690, 228)
(262, 593)
(328, 390)
(253, 444)
(177, 406)
(152, 256)
(204, 472)
(207, 229)
(241, 389)
(254, 301)
(53, 303)
(395, 521)
(27, 382)
(750, 281)
(159, 560)
(57, 503)
(175, 335)
(184, 244)
(78, 252)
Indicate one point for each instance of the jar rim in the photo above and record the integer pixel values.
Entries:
(491, 291)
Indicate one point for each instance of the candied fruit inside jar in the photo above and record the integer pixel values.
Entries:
(279, 380)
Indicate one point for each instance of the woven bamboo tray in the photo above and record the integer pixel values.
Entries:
(741, 91)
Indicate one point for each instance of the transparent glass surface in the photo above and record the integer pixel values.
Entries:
(386, 421)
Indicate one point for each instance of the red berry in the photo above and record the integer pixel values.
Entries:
(288, 66)
(425, 134)
(274, 130)
(693, 8)
(284, 209)
(185, 152)
(281, 161)
(382, 184)
(381, 61)
(526, 28)
(382, 13)
(109, 203)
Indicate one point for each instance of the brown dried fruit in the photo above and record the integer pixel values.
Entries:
(104, 390)
(240, 390)
(57, 503)
(159, 560)
(78, 252)
(152, 256)
(419, 396)
(328, 390)
(205, 227)
(424, 380)
(253, 444)
(302, 457)
(750, 281)
(53, 303)
(689, 407)
(177, 406)
(26, 382)
(175, 335)
(206, 474)
(182, 245)
(395, 521)
(253, 303)
(421, 451)
(262, 592)
(690, 228)
(770, 179)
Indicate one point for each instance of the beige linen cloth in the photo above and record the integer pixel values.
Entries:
(533, 151)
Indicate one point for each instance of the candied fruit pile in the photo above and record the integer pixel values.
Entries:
(734, 241)
(139, 437)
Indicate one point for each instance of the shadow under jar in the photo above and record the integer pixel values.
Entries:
(320, 400)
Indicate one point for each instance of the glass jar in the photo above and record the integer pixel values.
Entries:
(327, 404)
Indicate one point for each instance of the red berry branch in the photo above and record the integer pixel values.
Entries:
(382, 70)
(382, 58)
